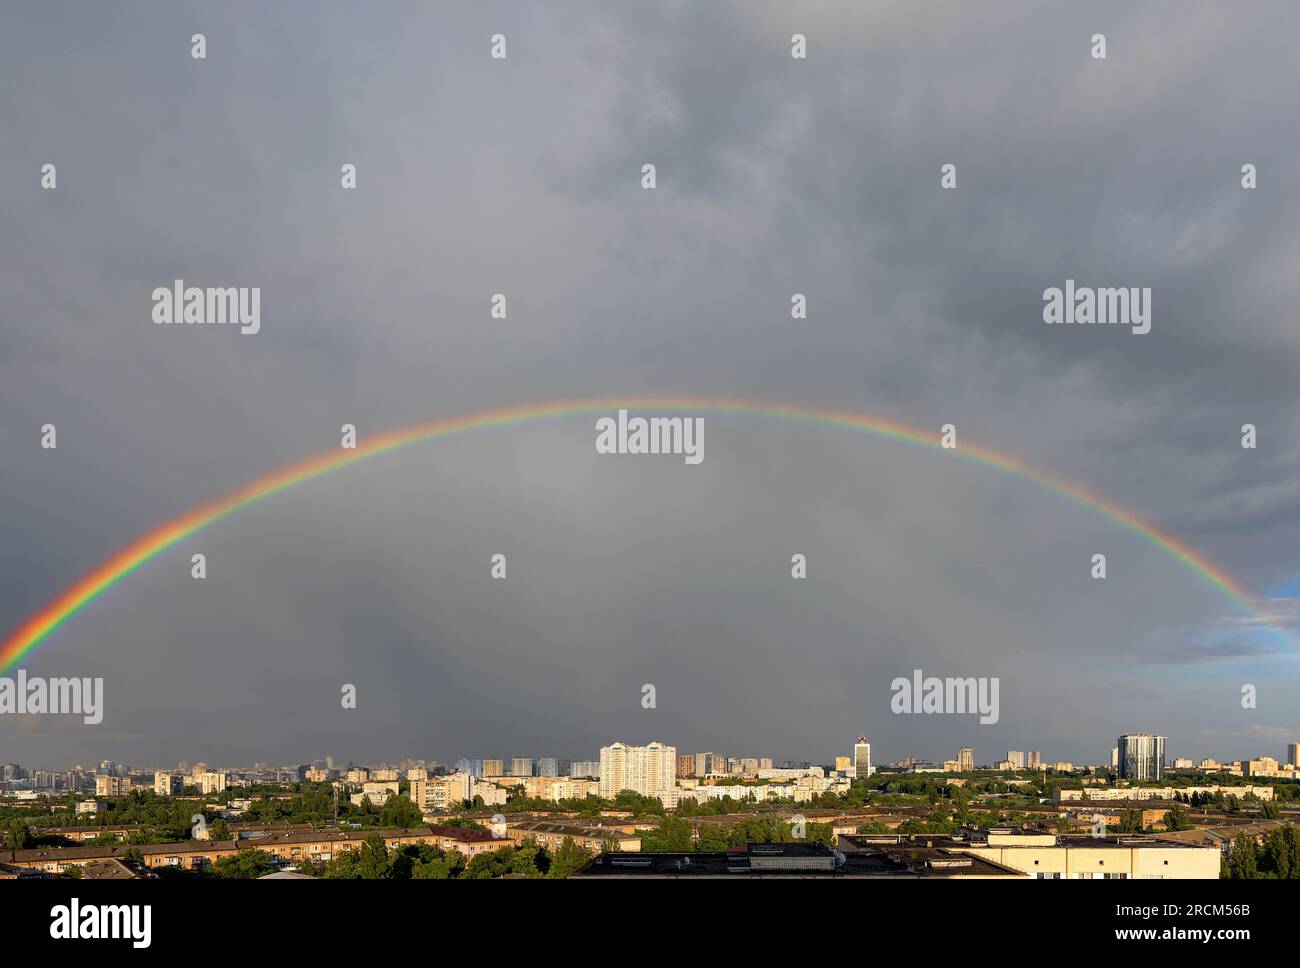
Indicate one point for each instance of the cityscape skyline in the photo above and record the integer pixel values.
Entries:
(1288, 752)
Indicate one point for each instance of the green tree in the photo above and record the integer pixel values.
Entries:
(489, 864)
(1244, 860)
(20, 835)
(406, 858)
(938, 822)
(1177, 819)
(434, 870)
(526, 858)
(245, 865)
(1280, 856)
(673, 836)
(569, 859)
(1130, 821)
(373, 863)
(343, 866)
(400, 812)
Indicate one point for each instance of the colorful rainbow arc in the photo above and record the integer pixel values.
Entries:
(40, 626)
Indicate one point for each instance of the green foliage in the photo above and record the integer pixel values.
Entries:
(1245, 861)
(569, 859)
(1280, 856)
(1277, 859)
(489, 864)
(434, 870)
(1130, 822)
(373, 863)
(400, 813)
(1177, 819)
(673, 836)
(19, 835)
(245, 865)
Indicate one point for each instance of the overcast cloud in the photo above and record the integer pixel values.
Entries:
(775, 176)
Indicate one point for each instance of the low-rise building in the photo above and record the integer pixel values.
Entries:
(552, 834)
(1160, 793)
(1053, 857)
(787, 861)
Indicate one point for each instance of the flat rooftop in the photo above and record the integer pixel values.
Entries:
(786, 861)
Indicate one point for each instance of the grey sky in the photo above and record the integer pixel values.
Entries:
(774, 176)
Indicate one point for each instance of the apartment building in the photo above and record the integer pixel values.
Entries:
(521, 766)
(448, 792)
(707, 764)
(211, 781)
(487, 791)
(1141, 756)
(323, 845)
(189, 854)
(167, 784)
(548, 766)
(650, 770)
(378, 791)
(1159, 793)
(112, 786)
(560, 788)
(551, 835)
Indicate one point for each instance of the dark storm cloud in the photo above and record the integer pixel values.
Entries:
(522, 177)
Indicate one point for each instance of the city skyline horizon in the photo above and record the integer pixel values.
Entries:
(355, 761)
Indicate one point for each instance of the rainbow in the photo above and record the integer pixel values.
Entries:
(40, 626)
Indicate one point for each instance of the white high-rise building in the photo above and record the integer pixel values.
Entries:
(648, 770)
(211, 781)
(521, 766)
(1141, 756)
(862, 758)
